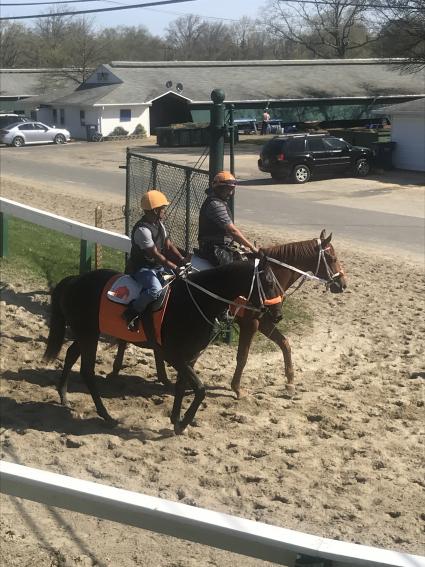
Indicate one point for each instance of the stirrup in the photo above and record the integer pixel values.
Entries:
(132, 325)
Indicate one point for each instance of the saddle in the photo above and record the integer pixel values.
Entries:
(116, 295)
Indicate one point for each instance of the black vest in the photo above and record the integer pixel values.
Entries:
(209, 231)
(138, 258)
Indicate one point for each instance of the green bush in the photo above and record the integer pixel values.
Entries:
(140, 131)
(119, 131)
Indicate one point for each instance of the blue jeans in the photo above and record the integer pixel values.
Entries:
(151, 281)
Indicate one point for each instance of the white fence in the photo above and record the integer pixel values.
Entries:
(253, 539)
(64, 225)
(222, 531)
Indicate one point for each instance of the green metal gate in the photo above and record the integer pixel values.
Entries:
(184, 187)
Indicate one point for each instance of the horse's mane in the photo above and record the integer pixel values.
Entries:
(292, 251)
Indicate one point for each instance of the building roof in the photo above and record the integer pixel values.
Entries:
(129, 82)
(21, 83)
(411, 107)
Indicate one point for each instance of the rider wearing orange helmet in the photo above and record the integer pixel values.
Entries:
(151, 253)
(216, 228)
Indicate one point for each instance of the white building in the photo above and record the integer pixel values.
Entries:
(408, 132)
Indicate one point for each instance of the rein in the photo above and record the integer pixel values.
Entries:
(308, 275)
(255, 278)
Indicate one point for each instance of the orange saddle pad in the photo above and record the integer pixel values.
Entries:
(112, 323)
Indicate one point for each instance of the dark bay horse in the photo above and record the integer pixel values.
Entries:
(317, 256)
(186, 330)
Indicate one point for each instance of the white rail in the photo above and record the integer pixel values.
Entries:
(66, 226)
(253, 539)
(222, 531)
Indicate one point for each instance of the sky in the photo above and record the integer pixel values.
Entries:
(155, 19)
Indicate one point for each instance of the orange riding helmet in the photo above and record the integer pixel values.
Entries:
(153, 199)
(224, 178)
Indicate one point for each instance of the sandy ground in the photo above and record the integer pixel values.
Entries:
(342, 459)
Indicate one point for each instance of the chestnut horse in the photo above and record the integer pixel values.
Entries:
(186, 331)
(317, 256)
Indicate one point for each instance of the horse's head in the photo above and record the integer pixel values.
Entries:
(268, 293)
(329, 267)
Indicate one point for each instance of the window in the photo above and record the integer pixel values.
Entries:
(125, 115)
(54, 115)
(26, 126)
(297, 145)
(82, 117)
(39, 126)
(335, 144)
(102, 77)
(316, 145)
(62, 116)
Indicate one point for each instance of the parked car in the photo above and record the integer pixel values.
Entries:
(299, 156)
(21, 133)
(6, 119)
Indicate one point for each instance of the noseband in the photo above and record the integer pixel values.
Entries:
(332, 276)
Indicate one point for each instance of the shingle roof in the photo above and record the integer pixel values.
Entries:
(411, 107)
(142, 82)
(35, 82)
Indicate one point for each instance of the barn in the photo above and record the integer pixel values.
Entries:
(152, 94)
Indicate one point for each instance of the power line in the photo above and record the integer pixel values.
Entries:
(41, 3)
(127, 7)
(354, 4)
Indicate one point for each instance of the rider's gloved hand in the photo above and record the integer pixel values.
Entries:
(179, 271)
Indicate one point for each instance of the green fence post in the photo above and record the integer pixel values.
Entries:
(4, 236)
(187, 223)
(232, 155)
(217, 132)
(85, 256)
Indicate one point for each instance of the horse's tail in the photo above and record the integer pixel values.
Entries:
(57, 326)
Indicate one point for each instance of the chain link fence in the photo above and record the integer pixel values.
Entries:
(184, 187)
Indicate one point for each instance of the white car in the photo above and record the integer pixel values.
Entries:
(21, 133)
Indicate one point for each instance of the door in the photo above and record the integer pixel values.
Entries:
(320, 154)
(41, 133)
(340, 157)
(26, 130)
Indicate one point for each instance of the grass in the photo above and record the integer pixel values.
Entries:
(42, 257)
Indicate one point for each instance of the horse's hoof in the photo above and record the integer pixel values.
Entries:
(178, 428)
(290, 389)
(110, 422)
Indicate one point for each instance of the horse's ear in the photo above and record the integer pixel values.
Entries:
(323, 234)
(327, 240)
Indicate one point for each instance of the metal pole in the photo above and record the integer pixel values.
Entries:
(217, 133)
(127, 194)
(232, 155)
(187, 220)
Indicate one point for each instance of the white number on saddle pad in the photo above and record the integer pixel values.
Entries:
(124, 290)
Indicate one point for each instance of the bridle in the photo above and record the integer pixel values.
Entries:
(332, 276)
(256, 279)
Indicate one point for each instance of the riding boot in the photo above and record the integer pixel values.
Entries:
(131, 316)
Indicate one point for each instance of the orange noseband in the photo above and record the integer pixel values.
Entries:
(273, 301)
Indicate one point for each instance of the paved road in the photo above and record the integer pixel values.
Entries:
(387, 210)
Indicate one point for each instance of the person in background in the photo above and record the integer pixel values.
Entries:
(265, 126)
(217, 232)
(152, 254)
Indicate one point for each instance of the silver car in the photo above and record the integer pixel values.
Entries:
(30, 132)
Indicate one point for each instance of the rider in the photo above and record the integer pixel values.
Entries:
(216, 229)
(151, 253)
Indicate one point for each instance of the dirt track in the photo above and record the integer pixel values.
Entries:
(342, 459)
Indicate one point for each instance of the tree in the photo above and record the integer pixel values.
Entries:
(184, 37)
(402, 33)
(14, 45)
(325, 29)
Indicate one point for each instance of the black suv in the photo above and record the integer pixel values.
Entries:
(299, 156)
